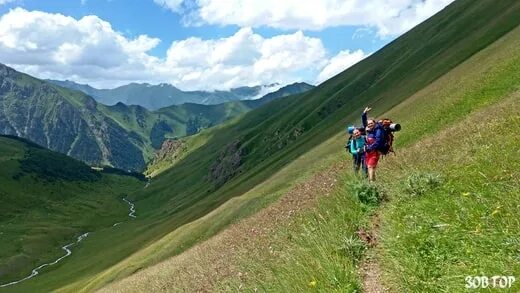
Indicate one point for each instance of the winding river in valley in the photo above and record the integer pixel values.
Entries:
(67, 249)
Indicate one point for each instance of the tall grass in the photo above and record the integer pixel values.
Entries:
(453, 195)
(319, 250)
(466, 225)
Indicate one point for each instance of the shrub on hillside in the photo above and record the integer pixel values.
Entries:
(367, 193)
(418, 184)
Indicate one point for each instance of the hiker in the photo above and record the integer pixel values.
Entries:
(374, 141)
(357, 149)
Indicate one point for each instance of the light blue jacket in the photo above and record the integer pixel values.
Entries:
(357, 143)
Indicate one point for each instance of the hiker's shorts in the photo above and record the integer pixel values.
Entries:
(371, 159)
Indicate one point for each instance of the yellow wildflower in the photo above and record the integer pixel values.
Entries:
(312, 284)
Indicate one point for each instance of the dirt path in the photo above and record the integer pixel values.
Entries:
(369, 269)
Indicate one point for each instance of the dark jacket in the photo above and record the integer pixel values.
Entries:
(377, 133)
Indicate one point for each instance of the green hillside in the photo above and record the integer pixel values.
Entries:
(126, 137)
(48, 199)
(233, 170)
(450, 196)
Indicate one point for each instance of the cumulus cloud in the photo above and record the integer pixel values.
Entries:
(88, 50)
(339, 63)
(244, 58)
(57, 46)
(388, 17)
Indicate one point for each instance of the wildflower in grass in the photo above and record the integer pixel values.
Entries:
(312, 284)
(466, 193)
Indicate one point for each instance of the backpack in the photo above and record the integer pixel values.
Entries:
(388, 136)
(349, 142)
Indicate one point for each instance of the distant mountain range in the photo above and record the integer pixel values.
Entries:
(153, 97)
(126, 137)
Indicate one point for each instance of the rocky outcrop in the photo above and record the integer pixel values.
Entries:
(227, 164)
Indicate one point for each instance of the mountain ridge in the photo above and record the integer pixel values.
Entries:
(154, 97)
(73, 123)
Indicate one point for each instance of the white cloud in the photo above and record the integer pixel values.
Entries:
(173, 5)
(244, 58)
(88, 50)
(2, 2)
(57, 46)
(389, 17)
(339, 63)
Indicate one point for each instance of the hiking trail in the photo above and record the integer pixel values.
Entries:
(369, 269)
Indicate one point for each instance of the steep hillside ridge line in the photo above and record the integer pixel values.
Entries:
(270, 135)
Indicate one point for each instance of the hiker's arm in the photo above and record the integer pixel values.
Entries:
(353, 150)
(364, 116)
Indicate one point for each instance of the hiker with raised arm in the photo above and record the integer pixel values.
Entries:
(375, 139)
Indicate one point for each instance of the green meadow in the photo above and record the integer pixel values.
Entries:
(443, 207)
(445, 202)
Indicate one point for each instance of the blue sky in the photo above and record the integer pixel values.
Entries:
(199, 44)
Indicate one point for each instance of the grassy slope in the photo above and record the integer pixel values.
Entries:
(41, 215)
(462, 128)
(478, 164)
(181, 120)
(272, 137)
(175, 194)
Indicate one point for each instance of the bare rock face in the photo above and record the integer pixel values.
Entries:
(227, 163)
(170, 150)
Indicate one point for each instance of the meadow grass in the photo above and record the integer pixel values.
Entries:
(320, 250)
(181, 198)
(273, 137)
(464, 221)
(453, 195)
(447, 219)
